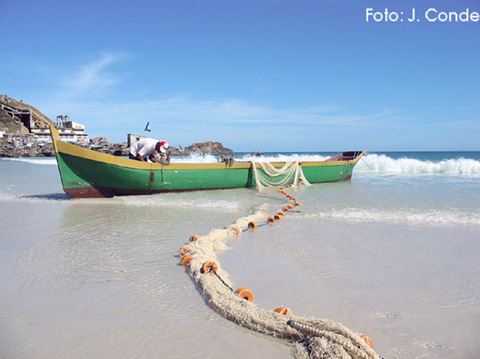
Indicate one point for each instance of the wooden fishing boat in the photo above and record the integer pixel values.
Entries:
(85, 173)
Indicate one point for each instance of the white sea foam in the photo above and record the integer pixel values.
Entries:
(194, 158)
(46, 198)
(5, 197)
(33, 160)
(387, 165)
(136, 201)
(160, 201)
(285, 158)
(432, 216)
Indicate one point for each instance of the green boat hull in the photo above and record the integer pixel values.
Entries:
(85, 173)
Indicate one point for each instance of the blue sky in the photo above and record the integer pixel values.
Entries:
(266, 75)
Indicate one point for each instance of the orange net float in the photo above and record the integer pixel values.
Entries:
(209, 267)
(284, 311)
(297, 204)
(194, 238)
(245, 293)
(185, 249)
(290, 206)
(280, 189)
(367, 340)
(186, 260)
(285, 209)
(278, 217)
(281, 213)
(293, 198)
(252, 224)
(271, 219)
(237, 230)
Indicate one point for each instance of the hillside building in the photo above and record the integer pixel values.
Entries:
(70, 131)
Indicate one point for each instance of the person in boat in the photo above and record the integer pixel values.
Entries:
(147, 148)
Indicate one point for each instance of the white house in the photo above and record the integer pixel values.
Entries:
(69, 131)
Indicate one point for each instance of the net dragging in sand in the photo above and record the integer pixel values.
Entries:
(310, 337)
(270, 176)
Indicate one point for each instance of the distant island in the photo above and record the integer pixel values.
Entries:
(24, 132)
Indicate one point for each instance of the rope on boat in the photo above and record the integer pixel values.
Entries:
(310, 337)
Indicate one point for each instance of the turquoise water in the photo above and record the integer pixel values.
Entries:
(393, 254)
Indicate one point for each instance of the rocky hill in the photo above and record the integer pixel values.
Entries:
(10, 125)
(12, 122)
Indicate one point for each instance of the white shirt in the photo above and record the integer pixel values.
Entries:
(144, 147)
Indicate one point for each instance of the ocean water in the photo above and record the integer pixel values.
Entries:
(392, 254)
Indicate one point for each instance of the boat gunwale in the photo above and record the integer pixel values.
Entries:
(73, 150)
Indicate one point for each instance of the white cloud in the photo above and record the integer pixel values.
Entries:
(87, 96)
(94, 77)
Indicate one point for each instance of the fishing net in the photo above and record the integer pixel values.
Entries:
(310, 337)
(269, 176)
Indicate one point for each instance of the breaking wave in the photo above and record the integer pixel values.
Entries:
(384, 164)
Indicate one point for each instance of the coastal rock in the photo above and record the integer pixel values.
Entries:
(207, 147)
(98, 140)
(44, 150)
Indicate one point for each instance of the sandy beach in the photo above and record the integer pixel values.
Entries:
(101, 278)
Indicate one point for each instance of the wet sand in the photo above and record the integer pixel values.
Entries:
(101, 278)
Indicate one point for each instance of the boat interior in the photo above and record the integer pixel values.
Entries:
(345, 156)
